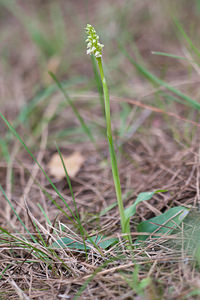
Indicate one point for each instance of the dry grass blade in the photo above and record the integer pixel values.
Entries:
(157, 140)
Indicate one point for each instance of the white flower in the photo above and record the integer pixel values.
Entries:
(93, 45)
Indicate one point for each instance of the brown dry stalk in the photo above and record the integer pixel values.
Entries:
(155, 109)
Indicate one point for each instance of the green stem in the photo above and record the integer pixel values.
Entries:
(111, 147)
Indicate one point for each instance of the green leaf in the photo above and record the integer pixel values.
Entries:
(106, 243)
(131, 210)
(99, 240)
(69, 243)
(164, 223)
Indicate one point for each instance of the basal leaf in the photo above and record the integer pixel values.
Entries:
(106, 243)
(131, 210)
(99, 240)
(164, 223)
(66, 242)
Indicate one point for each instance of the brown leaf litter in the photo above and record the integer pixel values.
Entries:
(72, 163)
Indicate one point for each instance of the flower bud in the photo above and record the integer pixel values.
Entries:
(93, 45)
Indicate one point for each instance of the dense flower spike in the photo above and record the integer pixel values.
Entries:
(93, 45)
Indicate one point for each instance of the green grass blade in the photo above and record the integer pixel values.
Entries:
(35, 160)
(47, 194)
(4, 270)
(44, 214)
(38, 98)
(56, 204)
(68, 182)
(44, 255)
(155, 80)
(23, 243)
(75, 110)
(4, 149)
(168, 55)
(186, 37)
(74, 201)
(39, 234)
(78, 224)
(16, 214)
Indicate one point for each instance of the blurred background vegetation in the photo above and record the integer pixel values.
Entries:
(37, 36)
(41, 36)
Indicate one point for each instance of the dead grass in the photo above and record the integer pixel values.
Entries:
(162, 152)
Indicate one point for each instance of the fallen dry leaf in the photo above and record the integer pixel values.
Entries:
(72, 163)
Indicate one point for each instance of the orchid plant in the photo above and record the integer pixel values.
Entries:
(95, 47)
